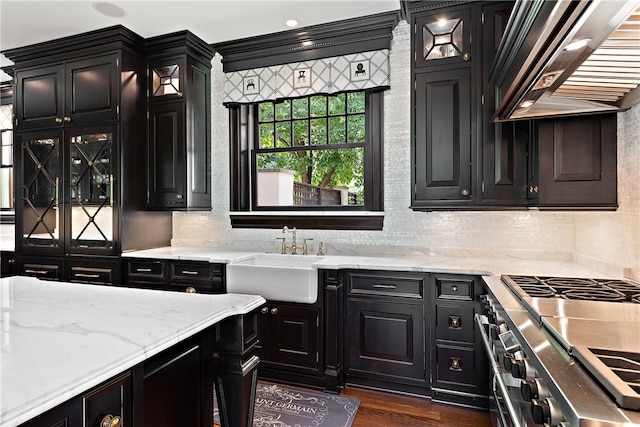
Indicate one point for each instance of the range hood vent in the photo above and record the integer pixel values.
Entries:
(568, 57)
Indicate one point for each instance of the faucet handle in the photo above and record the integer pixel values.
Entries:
(320, 249)
(283, 246)
(304, 246)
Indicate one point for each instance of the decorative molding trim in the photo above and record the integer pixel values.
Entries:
(93, 42)
(373, 32)
(179, 43)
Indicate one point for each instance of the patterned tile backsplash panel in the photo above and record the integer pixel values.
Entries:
(609, 241)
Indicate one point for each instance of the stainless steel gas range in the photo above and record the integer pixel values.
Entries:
(564, 351)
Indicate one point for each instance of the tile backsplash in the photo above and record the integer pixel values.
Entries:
(606, 241)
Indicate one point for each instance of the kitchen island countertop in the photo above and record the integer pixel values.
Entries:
(54, 335)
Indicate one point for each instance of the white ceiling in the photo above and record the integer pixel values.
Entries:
(26, 22)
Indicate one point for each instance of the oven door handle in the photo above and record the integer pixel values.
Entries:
(513, 414)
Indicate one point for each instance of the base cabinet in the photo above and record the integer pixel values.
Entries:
(459, 367)
(7, 264)
(175, 275)
(386, 331)
(289, 341)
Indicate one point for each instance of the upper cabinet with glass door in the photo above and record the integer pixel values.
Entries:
(443, 38)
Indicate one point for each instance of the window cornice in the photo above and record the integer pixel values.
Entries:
(345, 37)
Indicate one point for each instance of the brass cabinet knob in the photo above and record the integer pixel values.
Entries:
(179, 94)
(455, 322)
(67, 119)
(454, 289)
(110, 421)
(455, 364)
(264, 310)
(465, 192)
(179, 196)
(466, 56)
(58, 120)
(274, 310)
(191, 290)
(533, 189)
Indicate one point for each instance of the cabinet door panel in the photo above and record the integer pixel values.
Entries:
(112, 399)
(166, 155)
(578, 161)
(39, 97)
(442, 136)
(66, 415)
(503, 144)
(295, 336)
(386, 338)
(92, 90)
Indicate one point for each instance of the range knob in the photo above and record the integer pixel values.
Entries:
(546, 411)
(509, 359)
(522, 369)
(533, 389)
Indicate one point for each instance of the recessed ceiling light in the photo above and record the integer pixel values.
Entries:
(109, 9)
(291, 23)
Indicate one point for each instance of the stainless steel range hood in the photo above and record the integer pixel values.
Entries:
(537, 74)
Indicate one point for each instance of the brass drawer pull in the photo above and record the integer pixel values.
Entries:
(274, 310)
(42, 272)
(190, 273)
(88, 276)
(384, 286)
(143, 270)
(191, 290)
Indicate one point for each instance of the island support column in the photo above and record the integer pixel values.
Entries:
(237, 370)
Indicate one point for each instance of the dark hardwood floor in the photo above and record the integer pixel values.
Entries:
(379, 409)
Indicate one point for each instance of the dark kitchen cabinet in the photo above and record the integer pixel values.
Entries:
(386, 333)
(175, 275)
(42, 267)
(79, 144)
(442, 153)
(68, 414)
(577, 162)
(73, 92)
(7, 264)
(461, 159)
(289, 338)
(458, 365)
(110, 402)
(170, 389)
(179, 122)
(505, 146)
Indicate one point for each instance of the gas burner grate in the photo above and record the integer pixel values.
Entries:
(576, 288)
(626, 366)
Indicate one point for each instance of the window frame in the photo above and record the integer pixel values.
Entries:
(243, 199)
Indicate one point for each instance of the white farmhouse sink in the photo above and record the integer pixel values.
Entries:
(275, 277)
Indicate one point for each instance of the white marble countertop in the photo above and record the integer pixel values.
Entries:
(54, 335)
(463, 264)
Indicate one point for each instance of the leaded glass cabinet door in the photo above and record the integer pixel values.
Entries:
(40, 181)
(443, 38)
(91, 217)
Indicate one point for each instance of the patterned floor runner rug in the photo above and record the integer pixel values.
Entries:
(280, 406)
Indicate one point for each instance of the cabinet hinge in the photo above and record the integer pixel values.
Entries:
(482, 187)
(317, 357)
(482, 17)
(117, 62)
(482, 99)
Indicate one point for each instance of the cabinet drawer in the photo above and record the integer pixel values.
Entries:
(455, 323)
(92, 275)
(387, 285)
(42, 271)
(210, 287)
(146, 268)
(455, 365)
(110, 400)
(191, 270)
(454, 288)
